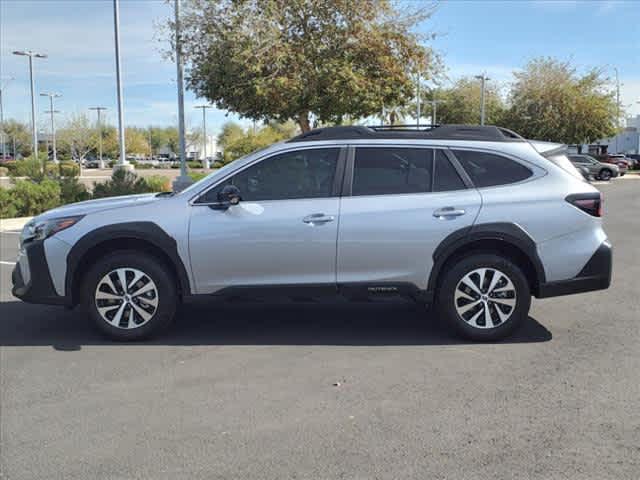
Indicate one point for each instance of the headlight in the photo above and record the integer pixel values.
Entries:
(46, 228)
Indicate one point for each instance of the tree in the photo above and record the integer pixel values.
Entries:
(551, 101)
(77, 136)
(136, 141)
(236, 142)
(19, 133)
(460, 103)
(291, 59)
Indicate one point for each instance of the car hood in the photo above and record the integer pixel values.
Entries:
(92, 206)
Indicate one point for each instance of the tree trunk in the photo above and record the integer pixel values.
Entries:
(303, 122)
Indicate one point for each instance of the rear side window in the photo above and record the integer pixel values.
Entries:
(488, 169)
(446, 177)
(388, 171)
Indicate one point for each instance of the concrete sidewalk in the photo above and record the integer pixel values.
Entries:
(12, 224)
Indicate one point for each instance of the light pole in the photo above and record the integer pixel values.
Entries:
(122, 161)
(418, 100)
(434, 110)
(483, 79)
(2, 139)
(53, 128)
(204, 134)
(99, 110)
(615, 69)
(30, 54)
(183, 180)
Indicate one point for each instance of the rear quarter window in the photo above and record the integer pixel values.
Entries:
(489, 169)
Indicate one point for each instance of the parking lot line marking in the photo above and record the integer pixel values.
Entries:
(2, 262)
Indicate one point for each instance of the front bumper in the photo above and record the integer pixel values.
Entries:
(595, 275)
(39, 286)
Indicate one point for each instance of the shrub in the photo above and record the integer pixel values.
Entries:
(123, 182)
(158, 183)
(194, 164)
(29, 167)
(69, 169)
(31, 198)
(7, 208)
(144, 166)
(71, 191)
(4, 171)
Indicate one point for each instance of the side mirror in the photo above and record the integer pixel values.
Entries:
(228, 196)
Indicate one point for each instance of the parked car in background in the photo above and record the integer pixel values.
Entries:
(635, 159)
(599, 170)
(616, 159)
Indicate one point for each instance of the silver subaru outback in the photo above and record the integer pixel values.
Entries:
(472, 220)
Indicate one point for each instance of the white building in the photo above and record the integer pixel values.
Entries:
(633, 121)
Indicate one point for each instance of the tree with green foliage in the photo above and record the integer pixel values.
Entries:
(460, 103)
(302, 59)
(235, 142)
(551, 101)
(77, 137)
(17, 134)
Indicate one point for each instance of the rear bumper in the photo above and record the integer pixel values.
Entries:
(39, 288)
(595, 275)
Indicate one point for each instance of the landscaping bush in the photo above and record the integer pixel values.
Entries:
(123, 182)
(4, 171)
(30, 198)
(71, 191)
(158, 183)
(194, 164)
(28, 167)
(144, 166)
(7, 208)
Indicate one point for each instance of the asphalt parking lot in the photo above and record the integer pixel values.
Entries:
(308, 391)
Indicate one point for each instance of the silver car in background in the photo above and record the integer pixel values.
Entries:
(472, 220)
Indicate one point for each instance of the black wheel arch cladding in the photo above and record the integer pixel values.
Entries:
(509, 233)
(147, 232)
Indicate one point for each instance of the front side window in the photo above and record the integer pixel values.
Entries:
(488, 169)
(298, 174)
(389, 171)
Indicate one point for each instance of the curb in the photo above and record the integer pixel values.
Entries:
(12, 224)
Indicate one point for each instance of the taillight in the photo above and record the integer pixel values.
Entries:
(590, 203)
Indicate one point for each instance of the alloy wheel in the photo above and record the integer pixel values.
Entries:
(126, 298)
(485, 298)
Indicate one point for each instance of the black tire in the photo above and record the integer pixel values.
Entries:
(162, 293)
(497, 329)
(605, 175)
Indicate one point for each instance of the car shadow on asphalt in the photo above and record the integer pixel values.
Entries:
(230, 323)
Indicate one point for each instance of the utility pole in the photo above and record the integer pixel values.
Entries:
(99, 110)
(53, 128)
(483, 79)
(2, 138)
(34, 134)
(122, 162)
(204, 134)
(183, 180)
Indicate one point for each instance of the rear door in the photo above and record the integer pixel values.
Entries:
(398, 204)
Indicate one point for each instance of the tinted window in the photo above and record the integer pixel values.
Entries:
(487, 169)
(299, 174)
(445, 176)
(387, 171)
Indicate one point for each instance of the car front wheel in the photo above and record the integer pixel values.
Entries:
(129, 295)
(605, 175)
(484, 297)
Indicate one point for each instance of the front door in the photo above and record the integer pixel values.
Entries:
(403, 202)
(283, 231)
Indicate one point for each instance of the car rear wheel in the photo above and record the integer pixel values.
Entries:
(484, 297)
(605, 175)
(130, 296)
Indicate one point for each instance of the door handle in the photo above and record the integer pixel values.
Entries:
(448, 212)
(318, 219)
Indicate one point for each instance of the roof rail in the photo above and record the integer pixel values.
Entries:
(487, 133)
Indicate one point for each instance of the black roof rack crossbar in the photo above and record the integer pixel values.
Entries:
(487, 133)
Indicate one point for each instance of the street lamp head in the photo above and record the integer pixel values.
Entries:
(40, 55)
(21, 52)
